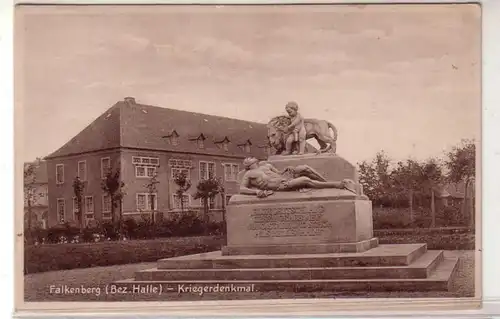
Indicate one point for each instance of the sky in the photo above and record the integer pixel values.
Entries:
(400, 78)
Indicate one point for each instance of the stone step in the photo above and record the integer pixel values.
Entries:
(417, 269)
(383, 255)
(439, 280)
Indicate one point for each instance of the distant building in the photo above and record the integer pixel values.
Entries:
(142, 141)
(36, 184)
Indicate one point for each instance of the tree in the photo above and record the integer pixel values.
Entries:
(461, 165)
(431, 177)
(31, 195)
(206, 190)
(78, 187)
(112, 185)
(375, 178)
(151, 186)
(183, 185)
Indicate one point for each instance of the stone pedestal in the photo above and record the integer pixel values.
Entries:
(317, 221)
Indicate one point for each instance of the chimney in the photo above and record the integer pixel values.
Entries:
(129, 100)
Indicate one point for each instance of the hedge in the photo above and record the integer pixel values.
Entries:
(49, 257)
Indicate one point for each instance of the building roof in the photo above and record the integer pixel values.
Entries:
(39, 175)
(133, 125)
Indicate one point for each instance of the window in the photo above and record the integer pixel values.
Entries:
(178, 171)
(61, 210)
(59, 173)
(207, 170)
(145, 166)
(175, 140)
(106, 206)
(177, 203)
(201, 143)
(180, 163)
(141, 202)
(211, 203)
(228, 197)
(231, 172)
(247, 148)
(225, 146)
(89, 205)
(75, 205)
(82, 170)
(105, 166)
(145, 200)
(140, 171)
(151, 171)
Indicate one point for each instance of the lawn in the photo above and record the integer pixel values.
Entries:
(37, 285)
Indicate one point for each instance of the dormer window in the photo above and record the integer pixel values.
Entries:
(201, 143)
(222, 143)
(200, 140)
(173, 138)
(246, 147)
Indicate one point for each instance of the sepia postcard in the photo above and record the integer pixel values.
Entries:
(248, 155)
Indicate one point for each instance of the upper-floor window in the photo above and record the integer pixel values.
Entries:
(225, 145)
(61, 210)
(145, 166)
(82, 170)
(247, 148)
(207, 170)
(201, 143)
(175, 140)
(105, 166)
(59, 173)
(231, 172)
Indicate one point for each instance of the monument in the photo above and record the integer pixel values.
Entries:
(302, 223)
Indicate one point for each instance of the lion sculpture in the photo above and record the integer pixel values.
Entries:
(283, 142)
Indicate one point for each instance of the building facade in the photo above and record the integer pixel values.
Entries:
(142, 141)
(36, 194)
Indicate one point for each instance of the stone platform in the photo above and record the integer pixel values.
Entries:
(402, 267)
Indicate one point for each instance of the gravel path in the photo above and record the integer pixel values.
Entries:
(37, 286)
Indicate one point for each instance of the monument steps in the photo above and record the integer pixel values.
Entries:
(438, 280)
(383, 255)
(420, 268)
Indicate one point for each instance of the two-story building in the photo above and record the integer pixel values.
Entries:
(142, 141)
(36, 193)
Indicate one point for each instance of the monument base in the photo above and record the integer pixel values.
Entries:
(301, 248)
(401, 267)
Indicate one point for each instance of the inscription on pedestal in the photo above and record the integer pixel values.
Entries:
(294, 221)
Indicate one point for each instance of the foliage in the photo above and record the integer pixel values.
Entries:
(206, 190)
(183, 185)
(461, 162)
(70, 256)
(152, 188)
(113, 186)
(31, 195)
(78, 188)
(396, 186)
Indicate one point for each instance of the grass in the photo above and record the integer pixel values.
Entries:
(36, 286)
